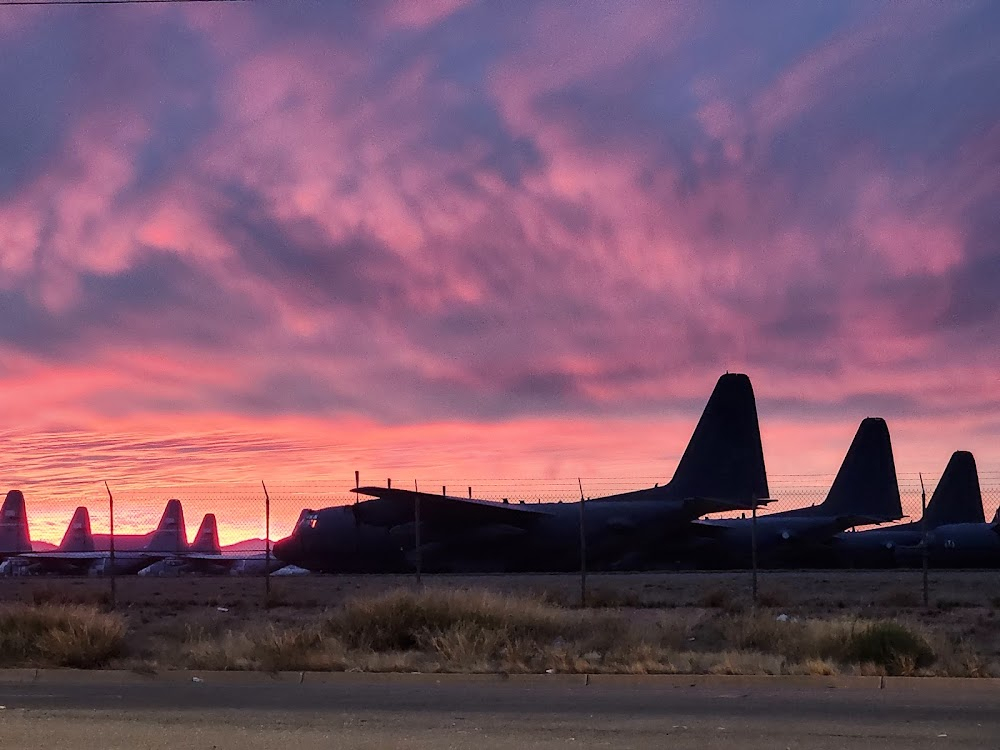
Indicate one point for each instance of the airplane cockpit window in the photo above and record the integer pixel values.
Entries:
(310, 520)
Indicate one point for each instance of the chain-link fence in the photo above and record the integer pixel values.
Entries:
(125, 534)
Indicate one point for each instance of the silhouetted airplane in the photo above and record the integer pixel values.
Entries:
(80, 552)
(954, 543)
(958, 545)
(203, 556)
(864, 492)
(957, 499)
(14, 536)
(63, 559)
(721, 469)
(206, 557)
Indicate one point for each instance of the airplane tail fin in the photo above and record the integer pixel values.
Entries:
(14, 535)
(170, 534)
(78, 537)
(957, 497)
(866, 484)
(724, 459)
(206, 541)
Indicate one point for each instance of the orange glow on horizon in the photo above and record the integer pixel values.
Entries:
(215, 465)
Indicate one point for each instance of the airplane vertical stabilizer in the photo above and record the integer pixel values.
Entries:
(78, 537)
(14, 536)
(724, 459)
(170, 534)
(957, 497)
(866, 483)
(206, 541)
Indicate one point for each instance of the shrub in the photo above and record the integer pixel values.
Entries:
(59, 636)
(269, 647)
(891, 645)
(404, 620)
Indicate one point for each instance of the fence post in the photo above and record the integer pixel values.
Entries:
(111, 545)
(416, 530)
(753, 547)
(925, 550)
(267, 546)
(583, 548)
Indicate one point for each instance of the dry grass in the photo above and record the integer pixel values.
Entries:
(894, 646)
(482, 631)
(59, 636)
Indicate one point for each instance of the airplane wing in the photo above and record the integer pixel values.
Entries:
(695, 506)
(394, 507)
(699, 506)
(94, 555)
(801, 529)
(850, 521)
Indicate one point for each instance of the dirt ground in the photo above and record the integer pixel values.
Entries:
(963, 605)
(805, 592)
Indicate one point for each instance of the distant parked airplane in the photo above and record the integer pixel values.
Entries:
(864, 492)
(14, 536)
(206, 557)
(721, 469)
(79, 552)
(63, 559)
(954, 542)
(957, 499)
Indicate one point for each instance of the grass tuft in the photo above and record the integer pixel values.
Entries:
(471, 630)
(59, 636)
(891, 645)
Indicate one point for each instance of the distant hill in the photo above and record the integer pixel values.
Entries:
(247, 545)
(135, 542)
(122, 541)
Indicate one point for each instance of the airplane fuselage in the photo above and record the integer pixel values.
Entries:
(333, 540)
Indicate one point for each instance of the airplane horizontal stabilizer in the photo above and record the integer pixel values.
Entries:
(699, 506)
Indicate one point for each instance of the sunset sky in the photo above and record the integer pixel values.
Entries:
(486, 243)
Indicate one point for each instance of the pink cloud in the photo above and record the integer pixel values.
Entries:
(461, 318)
(421, 15)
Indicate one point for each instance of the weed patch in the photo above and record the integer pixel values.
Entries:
(59, 636)
(891, 645)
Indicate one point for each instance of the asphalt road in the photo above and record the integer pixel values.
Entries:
(359, 711)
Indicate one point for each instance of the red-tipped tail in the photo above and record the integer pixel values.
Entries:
(78, 537)
(14, 536)
(206, 541)
(170, 535)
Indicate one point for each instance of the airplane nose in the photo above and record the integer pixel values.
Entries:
(288, 549)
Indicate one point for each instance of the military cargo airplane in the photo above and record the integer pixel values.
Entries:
(81, 553)
(864, 492)
(14, 536)
(957, 545)
(62, 559)
(957, 499)
(206, 557)
(721, 469)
